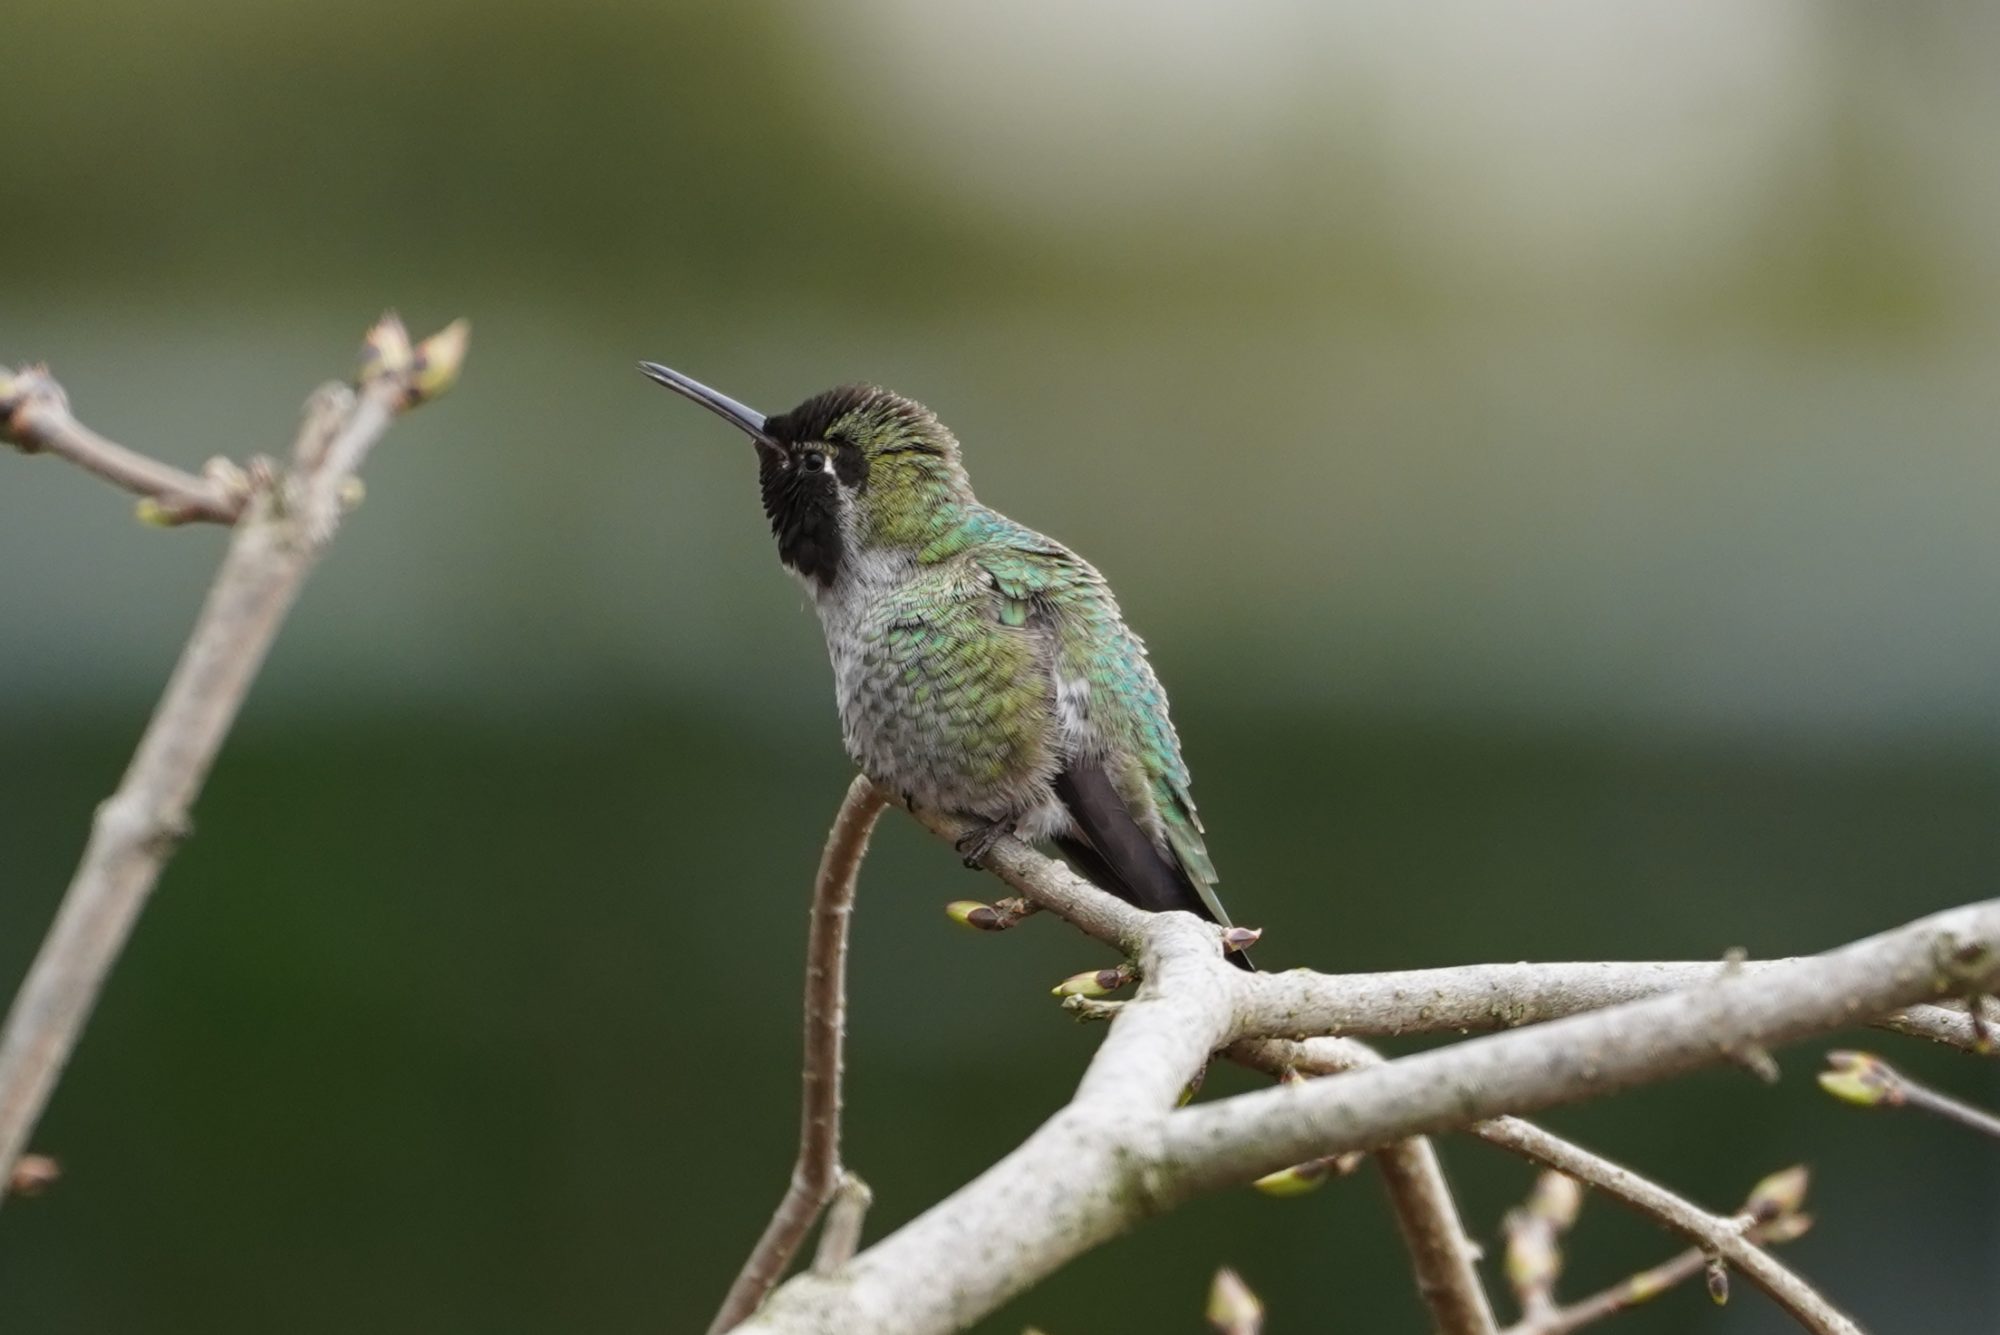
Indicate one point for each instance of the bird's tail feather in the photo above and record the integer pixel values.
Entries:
(1117, 854)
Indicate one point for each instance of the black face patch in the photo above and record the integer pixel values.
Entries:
(850, 465)
(804, 509)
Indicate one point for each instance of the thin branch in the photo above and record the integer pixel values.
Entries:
(1534, 1242)
(1712, 1234)
(1441, 1255)
(1648, 1284)
(842, 1232)
(1772, 1205)
(1866, 1080)
(283, 528)
(35, 418)
(1609, 1301)
(817, 1172)
(1050, 885)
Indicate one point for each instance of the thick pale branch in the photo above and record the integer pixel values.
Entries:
(817, 1173)
(1586, 1056)
(1078, 1181)
(1478, 997)
(1105, 1162)
(284, 525)
(1454, 999)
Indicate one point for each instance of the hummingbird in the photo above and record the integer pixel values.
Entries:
(981, 668)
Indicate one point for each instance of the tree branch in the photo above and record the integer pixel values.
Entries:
(1333, 1056)
(1120, 1152)
(282, 526)
(1865, 1080)
(1460, 999)
(1441, 1255)
(1481, 997)
(817, 1173)
(35, 418)
(1583, 1056)
(1643, 1287)
(1712, 1234)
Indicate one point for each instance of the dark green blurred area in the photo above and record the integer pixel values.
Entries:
(1550, 452)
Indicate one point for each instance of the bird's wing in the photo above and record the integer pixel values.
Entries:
(1124, 782)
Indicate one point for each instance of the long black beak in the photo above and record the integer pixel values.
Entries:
(745, 419)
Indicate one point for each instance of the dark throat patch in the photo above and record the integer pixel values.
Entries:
(804, 510)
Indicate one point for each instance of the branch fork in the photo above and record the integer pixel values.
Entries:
(280, 523)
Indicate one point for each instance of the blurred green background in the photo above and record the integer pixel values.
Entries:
(1550, 451)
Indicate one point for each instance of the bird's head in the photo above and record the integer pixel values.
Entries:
(852, 470)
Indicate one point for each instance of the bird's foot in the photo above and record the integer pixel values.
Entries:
(974, 845)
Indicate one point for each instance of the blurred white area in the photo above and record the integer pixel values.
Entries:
(1586, 150)
(1681, 412)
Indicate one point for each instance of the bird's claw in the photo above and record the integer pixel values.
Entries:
(975, 844)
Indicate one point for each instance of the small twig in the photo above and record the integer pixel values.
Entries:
(1534, 1242)
(1866, 1080)
(282, 528)
(1049, 884)
(816, 1174)
(841, 1233)
(1770, 1215)
(1730, 1239)
(35, 418)
(1775, 1197)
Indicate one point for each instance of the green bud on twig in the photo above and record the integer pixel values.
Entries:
(1297, 1180)
(1860, 1078)
(1232, 1308)
(1718, 1281)
(972, 913)
(437, 362)
(1780, 1194)
(385, 349)
(1785, 1228)
(995, 917)
(1097, 982)
(1557, 1197)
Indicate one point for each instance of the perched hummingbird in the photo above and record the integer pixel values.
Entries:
(982, 669)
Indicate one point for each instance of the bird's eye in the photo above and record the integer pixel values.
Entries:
(813, 463)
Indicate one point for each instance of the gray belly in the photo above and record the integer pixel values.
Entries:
(971, 743)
